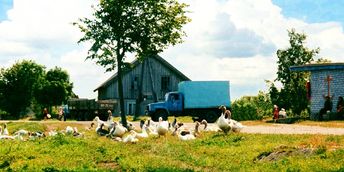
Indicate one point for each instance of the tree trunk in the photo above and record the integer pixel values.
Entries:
(155, 99)
(139, 98)
(120, 91)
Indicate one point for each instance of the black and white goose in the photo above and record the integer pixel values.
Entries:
(186, 134)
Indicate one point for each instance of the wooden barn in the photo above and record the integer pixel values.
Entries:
(153, 78)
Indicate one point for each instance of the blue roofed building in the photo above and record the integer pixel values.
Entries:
(326, 80)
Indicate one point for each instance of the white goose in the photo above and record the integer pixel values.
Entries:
(4, 137)
(224, 124)
(109, 124)
(69, 130)
(143, 133)
(5, 132)
(52, 133)
(185, 135)
(118, 130)
(131, 138)
(162, 127)
(236, 126)
(22, 132)
(212, 128)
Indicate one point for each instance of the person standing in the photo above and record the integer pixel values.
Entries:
(60, 114)
(275, 113)
(45, 113)
(65, 112)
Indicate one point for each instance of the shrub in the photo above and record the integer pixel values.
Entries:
(252, 107)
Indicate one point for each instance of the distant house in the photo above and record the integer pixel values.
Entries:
(159, 77)
(326, 80)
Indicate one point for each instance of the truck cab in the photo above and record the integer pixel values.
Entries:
(173, 104)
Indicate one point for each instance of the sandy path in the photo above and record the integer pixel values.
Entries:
(292, 129)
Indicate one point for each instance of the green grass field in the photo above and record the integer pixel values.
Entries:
(209, 152)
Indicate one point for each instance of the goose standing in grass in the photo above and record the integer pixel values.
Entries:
(5, 132)
(162, 127)
(5, 137)
(224, 124)
(171, 125)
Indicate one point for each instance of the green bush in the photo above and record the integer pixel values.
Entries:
(252, 107)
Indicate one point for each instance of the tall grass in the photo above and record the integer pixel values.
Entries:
(209, 152)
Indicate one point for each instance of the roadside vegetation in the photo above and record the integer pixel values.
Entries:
(209, 152)
(27, 87)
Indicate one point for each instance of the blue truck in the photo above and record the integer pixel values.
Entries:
(199, 99)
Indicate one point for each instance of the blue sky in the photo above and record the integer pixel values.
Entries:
(233, 40)
(313, 11)
(4, 6)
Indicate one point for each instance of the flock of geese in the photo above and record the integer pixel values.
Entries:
(149, 128)
(24, 135)
(117, 132)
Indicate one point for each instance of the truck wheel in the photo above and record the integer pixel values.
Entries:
(161, 113)
(211, 116)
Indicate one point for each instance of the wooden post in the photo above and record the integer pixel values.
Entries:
(328, 79)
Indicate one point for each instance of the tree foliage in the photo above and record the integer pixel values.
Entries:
(119, 27)
(17, 84)
(55, 89)
(27, 83)
(252, 107)
(293, 93)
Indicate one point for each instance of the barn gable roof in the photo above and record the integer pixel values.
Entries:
(136, 63)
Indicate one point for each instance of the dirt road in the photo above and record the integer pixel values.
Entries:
(261, 129)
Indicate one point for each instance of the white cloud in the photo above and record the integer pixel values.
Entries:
(85, 74)
(223, 32)
(232, 40)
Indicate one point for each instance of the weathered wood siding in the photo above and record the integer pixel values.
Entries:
(131, 87)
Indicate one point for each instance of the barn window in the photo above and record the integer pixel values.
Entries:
(165, 83)
(134, 83)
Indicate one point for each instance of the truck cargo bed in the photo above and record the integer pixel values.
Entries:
(205, 94)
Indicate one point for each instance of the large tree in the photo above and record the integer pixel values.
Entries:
(54, 89)
(293, 93)
(17, 84)
(119, 27)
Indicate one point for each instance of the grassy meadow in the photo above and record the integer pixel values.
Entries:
(209, 152)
